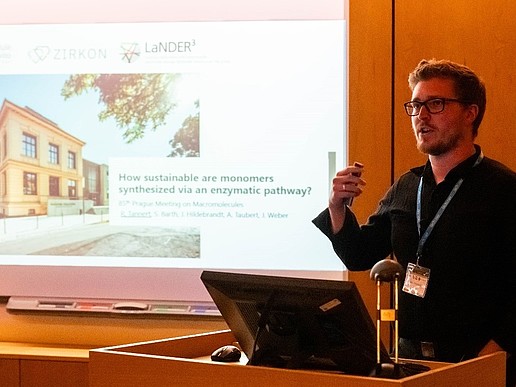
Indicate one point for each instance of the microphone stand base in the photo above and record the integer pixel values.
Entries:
(388, 371)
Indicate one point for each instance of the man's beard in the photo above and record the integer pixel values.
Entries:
(441, 147)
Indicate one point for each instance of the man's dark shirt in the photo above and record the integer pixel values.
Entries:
(471, 252)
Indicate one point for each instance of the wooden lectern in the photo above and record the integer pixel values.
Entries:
(185, 362)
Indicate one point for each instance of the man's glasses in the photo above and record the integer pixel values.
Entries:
(434, 105)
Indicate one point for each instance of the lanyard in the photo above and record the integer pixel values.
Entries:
(430, 228)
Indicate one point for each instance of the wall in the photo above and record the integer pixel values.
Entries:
(481, 34)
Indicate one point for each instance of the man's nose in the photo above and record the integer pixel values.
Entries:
(423, 112)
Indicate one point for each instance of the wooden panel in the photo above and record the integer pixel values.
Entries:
(53, 373)
(116, 367)
(9, 373)
(369, 117)
(189, 346)
(30, 351)
(480, 34)
(370, 97)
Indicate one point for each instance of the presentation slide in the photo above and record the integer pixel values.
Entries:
(170, 145)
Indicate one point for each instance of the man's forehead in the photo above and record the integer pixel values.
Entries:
(435, 87)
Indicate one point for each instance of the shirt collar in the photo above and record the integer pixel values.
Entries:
(457, 172)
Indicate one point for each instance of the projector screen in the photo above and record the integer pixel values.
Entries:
(137, 152)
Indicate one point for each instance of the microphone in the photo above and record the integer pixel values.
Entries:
(386, 270)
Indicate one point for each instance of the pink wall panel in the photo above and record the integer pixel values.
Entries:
(71, 11)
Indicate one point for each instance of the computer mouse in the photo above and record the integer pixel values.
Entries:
(226, 354)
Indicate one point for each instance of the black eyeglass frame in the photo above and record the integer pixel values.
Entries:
(407, 105)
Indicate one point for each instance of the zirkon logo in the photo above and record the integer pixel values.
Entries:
(41, 53)
(130, 52)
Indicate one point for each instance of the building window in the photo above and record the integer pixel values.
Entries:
(53, 154)
(30, 183)
(72, 161)
(92, 179)
(72, 188)
(53, 186)
(3, 184)
(4, 147)
(29, 145)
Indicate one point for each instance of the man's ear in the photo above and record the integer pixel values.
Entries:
(472, 112)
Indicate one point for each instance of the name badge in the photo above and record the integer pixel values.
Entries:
(416, 280)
